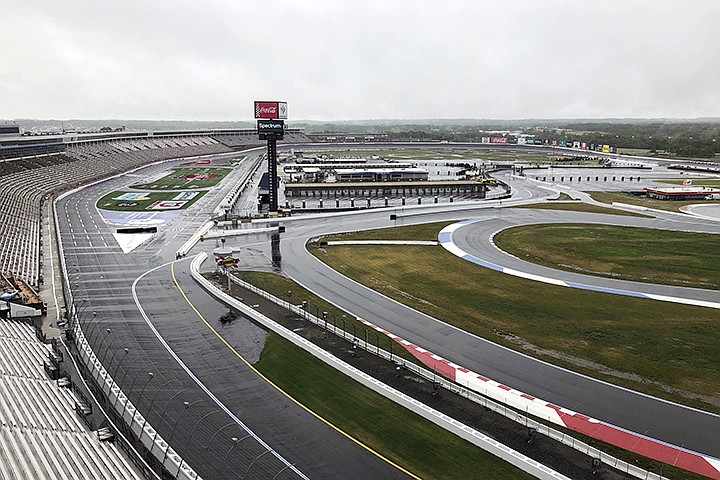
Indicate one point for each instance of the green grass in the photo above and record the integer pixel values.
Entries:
(455, 154)
(580, 207)
(628, 253)
(660, 348)
(280, 286)
(705, 182)
(405, 438)
(111, 202)
(173, 181)
(621, 197)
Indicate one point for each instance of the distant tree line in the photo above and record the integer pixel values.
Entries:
(683, 139)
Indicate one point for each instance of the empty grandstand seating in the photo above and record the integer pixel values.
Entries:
(41, 435)
(249, 138)
(26, 180)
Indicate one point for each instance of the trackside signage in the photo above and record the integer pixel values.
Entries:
(270, 126)
(276, 110)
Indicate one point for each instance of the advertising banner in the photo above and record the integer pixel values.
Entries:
(499, 140)
(563, 143)
(270, 126)
(276, 110)
(485, 140)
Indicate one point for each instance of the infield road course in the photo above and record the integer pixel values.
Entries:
(656, 418)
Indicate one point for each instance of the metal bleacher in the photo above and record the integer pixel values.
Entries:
(41, 434)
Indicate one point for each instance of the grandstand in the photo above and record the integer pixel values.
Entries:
(32, 170)
(44, 432)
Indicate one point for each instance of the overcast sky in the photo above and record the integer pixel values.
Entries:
(357, 59)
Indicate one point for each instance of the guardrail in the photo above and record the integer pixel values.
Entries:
(496, 407)
(463, 431)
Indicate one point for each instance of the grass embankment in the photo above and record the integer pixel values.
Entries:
(627, 253)
(660, 348)
(669, 205)
(407, 439)
(280, 286)
(580, 207)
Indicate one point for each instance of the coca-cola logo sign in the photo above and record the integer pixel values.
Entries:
(276, 110)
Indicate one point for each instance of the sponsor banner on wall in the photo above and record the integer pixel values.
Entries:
(499, 140)
(485, 140)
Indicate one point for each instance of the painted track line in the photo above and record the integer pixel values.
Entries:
(445, 239)
(197, 381)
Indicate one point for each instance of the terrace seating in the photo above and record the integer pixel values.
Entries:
(41, 436)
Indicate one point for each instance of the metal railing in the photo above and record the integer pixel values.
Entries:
(499, 408)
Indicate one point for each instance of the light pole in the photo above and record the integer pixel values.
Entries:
(192, 432)
(205, 450)
(126, 350)
(169, 402)
(125, 372)
(152, 402)
(235, 442)
(132, 385)
(111, 351)
(172, 433)
(253, 463)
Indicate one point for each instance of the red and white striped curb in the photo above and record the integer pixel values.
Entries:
(640, 444)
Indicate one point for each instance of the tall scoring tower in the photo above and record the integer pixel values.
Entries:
(271, 126)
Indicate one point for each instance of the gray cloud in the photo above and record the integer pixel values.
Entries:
(363, 59)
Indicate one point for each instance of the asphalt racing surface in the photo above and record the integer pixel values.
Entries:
(659, 419)
(224, 420)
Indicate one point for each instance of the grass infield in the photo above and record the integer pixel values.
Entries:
(280, 286)
(451, 155)
(705, 182)
(621, 197)
(407, 439)
(186, 178)
(628, 253)
(664, 349)
(143, 201)
(580, 207)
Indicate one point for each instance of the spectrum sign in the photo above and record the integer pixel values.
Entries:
(274, 110)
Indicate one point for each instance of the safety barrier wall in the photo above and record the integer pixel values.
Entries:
(502, 409)
(145, 433)
(477, 438)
